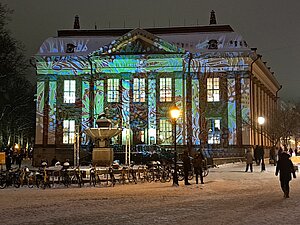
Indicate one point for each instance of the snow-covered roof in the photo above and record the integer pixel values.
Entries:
(195, 42)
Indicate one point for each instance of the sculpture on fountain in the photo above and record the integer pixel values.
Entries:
(102, 152)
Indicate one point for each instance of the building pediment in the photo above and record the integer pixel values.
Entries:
(138, 41)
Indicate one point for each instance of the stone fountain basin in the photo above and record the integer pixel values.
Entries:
(102, 133)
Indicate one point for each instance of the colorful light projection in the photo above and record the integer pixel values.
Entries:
(245, 108)
(98, 98)
(125, 109)
(179, 103)
(231, 111)
(152, 126)
(195, 112)
(40, 102)
(52, 112)
(62, 65)
(85, 109)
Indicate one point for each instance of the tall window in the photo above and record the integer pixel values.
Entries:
(113, 90)
(139, 90)
(68, 131)
(69, 91)
(213, 90)
(165, 131)
(214, 131)
(165, 85)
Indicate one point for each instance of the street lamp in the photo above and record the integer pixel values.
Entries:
(174, 113)
(261, 121)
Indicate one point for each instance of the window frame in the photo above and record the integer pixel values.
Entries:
(113, 87)
(165, 131)
(68, 131)
(213, 89)
(69, 93)
(165, 89)
(214, 136)
(139, 90)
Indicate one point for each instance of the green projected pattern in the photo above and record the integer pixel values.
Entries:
(99, 98)
(152, 110)
(245, 106)
(195, 112)
(40, 101)
(120, 64)
(231, 112)
(52, 112)
(62, 65)
(179, 102)
(125, 107)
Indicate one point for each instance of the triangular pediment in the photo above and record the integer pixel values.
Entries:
(138, 41)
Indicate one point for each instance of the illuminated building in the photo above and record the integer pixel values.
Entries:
(219, 83)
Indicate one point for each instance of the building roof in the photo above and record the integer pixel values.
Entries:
(194, 39)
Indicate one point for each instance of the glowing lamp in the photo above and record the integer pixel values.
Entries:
(174, 112)
(261, 120)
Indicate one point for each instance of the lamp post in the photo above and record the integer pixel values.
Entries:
(261, 121)
(174, 113)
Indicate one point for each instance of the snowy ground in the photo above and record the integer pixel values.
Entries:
(229, 196)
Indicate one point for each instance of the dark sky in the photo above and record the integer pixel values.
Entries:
(270, 25)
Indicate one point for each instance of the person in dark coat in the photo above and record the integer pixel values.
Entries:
(198, 165)
(285, 168)
(186, 166)
(249, 161)
(256, 155)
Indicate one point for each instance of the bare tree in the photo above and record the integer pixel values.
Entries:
(16, 92)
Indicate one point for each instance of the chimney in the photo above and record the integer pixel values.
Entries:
(76, 23)
(212, 18)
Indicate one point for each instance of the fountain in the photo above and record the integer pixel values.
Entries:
(102, 152)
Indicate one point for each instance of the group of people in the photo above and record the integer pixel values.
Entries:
(281, 159)
(13, 157)
(197, 162)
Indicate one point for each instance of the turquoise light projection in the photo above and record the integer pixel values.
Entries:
(125, 108)
(179, 103)
(195, 112)
(85, 110)
(99, 98)
(62, 65)
(121, 64)
(152, 110)
(231, 111)
(52, 112)
(245, 107)
(40, 102)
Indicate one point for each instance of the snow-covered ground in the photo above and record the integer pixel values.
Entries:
(229, 196)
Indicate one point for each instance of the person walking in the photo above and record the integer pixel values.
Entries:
(249, 161)
(285, 168)
(186, 166)
(198, 165)
(256, 156)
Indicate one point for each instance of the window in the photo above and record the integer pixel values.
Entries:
(139, 90)
(214, 134)
(165, 131)
(68, 131)
(113, 90)
(213, 90)
(165, 89)
(69, 91)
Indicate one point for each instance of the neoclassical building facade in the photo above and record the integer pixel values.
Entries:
(219, 83)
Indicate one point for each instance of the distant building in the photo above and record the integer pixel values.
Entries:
(220, 84)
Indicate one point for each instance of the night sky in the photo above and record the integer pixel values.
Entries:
(270, 25)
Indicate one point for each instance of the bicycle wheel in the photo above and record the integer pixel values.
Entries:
(205, 172)
(2, 181)
(180, 174)
(16, 182)
(93, 180)
(30, 181)
(191, 175)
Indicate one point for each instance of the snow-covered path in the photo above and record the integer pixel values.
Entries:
(229, 196)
